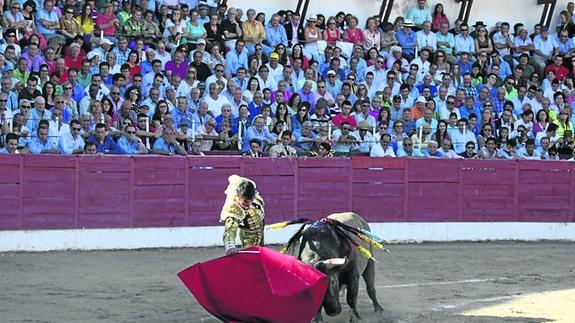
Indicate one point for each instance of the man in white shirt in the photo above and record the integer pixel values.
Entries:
(426, 38)
(215, 100)
(461, 137)
(72, 142)
(383, 149)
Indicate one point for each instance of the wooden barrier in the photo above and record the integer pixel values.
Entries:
(56, 192)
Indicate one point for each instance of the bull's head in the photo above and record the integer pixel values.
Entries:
(332, 269)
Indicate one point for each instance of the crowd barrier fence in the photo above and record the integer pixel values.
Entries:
(77, 192)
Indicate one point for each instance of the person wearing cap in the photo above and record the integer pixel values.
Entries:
(522, 43)
(103, 48)
(275, 68)
(407, 39)
(207, 56)
(419, 14)
(417, 110)
(365, 137)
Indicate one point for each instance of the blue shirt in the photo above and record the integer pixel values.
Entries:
(464, 44)
(275, 36)
(407, 42)
(50, 16)
(78, 93)
(37, 146)
(108, 147)
(160, 144)
(299, 139)
(127, 147)
(438, 153)
(121, 57)
(262, 136)
(68, 144)
(34, 119)
(178, 116)
(235, 61)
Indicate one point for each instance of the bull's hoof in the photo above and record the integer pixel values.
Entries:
(378, 309)
(318, 318)
(354, 316)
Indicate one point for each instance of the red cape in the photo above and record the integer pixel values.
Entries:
(257, 285)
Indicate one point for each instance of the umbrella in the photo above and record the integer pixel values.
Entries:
(257, 285)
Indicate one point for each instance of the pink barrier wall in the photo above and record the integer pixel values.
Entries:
(55, 192)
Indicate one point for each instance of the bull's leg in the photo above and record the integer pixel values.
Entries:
(352, 291)
(369, 278)
(318, 318)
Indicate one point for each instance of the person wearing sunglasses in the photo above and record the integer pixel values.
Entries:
(71, 142)
(131, 144)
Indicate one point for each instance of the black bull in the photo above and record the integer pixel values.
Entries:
(325, 248)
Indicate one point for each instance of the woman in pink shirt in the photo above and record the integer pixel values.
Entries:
(353, 34)
(108, 21)
(438, 17)
(331, 34)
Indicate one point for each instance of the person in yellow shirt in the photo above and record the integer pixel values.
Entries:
(254, 33)
(85, 20)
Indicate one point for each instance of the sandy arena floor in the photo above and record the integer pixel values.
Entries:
(456, 282)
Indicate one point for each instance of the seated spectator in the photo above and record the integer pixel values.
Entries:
(407, 149)
(41, 145)
(490, 151)
(283, 148)
(345, 116)
(432, 150)
(254, 149)
(365, 137)
(131, 144)
(346, 142)
(258, 131)
(196, 149)
(528, 152)
(227, 139)
(469, 152)
(207, 134)
(168, 145)
(305, 139)
(383, 149)
(72, 142)
(104, 143)
(508, 151)
(11, 145)
(461, 137)
(447, 149)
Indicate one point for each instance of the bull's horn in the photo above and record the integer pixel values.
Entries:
(333, 262)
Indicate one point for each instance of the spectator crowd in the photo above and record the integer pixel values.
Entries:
(198, 77)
